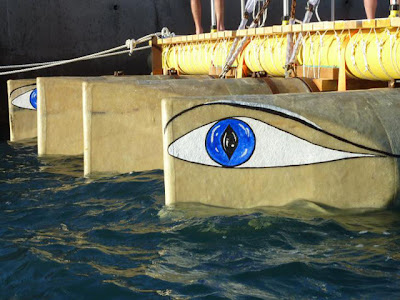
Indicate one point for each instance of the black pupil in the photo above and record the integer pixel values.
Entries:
(229, 141)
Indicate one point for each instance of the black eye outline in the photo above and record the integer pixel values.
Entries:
(28, 91)
(206, 160)
(284, 114)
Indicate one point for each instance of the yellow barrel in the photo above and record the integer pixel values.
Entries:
(169, 58)
(321, 50)
(252, 55)
(267, 54)
(374, 54)
(196, 58)
(221, 52)
(192, 59)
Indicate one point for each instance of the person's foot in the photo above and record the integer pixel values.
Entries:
(199, 30)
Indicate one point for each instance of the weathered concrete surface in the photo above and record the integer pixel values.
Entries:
(22, 120)
(59, 116)
(122, 121)
(359, 128)
(60, 121)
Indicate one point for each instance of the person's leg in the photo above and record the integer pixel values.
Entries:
(220, 13)
(394, 10)
(196, 11)
(370, 8)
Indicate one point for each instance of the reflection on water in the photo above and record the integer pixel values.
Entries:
(63, 236)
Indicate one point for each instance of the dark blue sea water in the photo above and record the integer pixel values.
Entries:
(66, 237)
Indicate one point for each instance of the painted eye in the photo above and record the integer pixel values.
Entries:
(27, 100)
(232, 143)
(33, 98)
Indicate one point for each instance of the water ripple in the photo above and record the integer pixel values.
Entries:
(63, 236)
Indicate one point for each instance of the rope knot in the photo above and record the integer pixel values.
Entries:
(165, 33)
(130, 44)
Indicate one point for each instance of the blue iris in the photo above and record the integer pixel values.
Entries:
(33, 98)
(230, 142)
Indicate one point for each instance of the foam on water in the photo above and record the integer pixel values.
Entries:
(62, 236)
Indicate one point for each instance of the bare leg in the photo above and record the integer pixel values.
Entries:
(220, 12)
(370, 8)
(196, 11)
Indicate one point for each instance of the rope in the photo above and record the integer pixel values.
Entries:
(364, 49)
(290, 37)
(380, 48)
(179, 59)
(130, 44)
(321, 44)
(307, 18)
(312, 56)
(165, 55)
(293, 10)
(250, 7)
(60, 61)
(339, 44)
(64, 62)
(353, 49)
(321, 47)
(303, 42)
(394, 61)
(185, 66)
(265, 16)
(239, 49)
(260, 46)
(271, 49)
(262, 53)
(316, 13)
(256, 48)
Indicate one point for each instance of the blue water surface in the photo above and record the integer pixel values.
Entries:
(66, 237)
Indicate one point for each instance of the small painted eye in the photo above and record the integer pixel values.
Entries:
(27, 100)
(33, 98)
(230, 142)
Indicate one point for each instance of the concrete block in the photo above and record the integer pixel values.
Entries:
(21, 108)
(122, 121)
(336, 149)
(60, 122)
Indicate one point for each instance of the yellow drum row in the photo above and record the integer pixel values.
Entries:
(369, 53)
(196, 59)
(374, 55)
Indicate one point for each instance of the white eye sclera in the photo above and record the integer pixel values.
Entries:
(243, 142)
(27, 100)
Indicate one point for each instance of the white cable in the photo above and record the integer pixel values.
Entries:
(130, 44)
(27, 65)
(307, 17)
(303, 42)
(64, 62)
(236, 50)
(58, 61)
(317, 13)
(380, 48)
(265, 16)
(392, 45)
